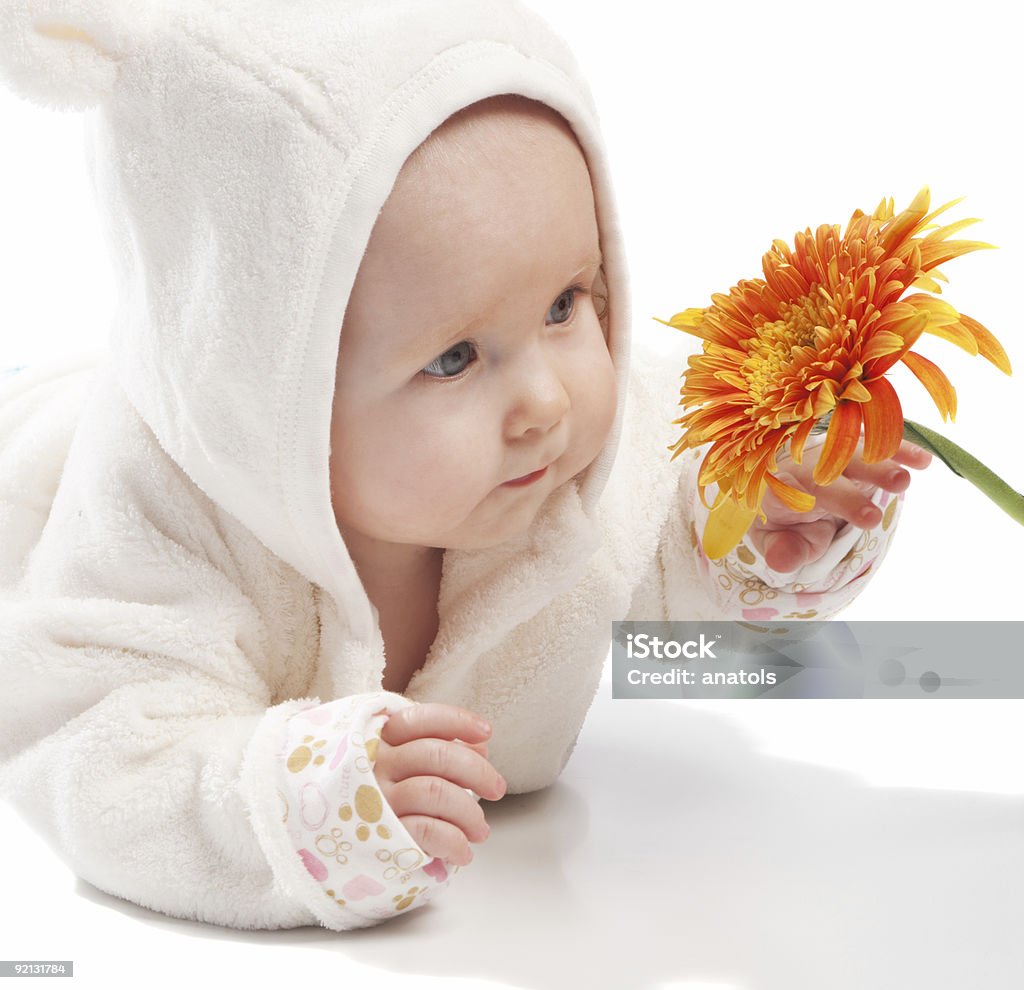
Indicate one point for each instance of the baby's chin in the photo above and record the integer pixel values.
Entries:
(520, 513)
(515, 528)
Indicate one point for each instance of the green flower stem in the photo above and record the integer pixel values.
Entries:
(960, 462)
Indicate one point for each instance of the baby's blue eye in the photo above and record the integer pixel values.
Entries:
(454, 361)
(563, 305)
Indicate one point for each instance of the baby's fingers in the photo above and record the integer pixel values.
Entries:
(438, 798)
(912, 455)
(790, 548)
(888, 474)
(479, 747)
(884, 474)
(435, 720)
(845, 498)
(443, 759)
(439, 838)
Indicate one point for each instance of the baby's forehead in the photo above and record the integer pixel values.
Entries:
(490, 131)
(471, 177)
(495, 198)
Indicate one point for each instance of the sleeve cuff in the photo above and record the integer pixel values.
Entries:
(746, 587)
(344, 852)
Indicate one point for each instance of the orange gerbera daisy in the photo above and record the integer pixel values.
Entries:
(815, 337)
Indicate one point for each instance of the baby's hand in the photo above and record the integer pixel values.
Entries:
(424, 760)
(788, 540)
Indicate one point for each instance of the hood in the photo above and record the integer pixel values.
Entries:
(241, 152)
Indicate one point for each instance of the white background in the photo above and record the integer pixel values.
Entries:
(845, 844)
(726, 126)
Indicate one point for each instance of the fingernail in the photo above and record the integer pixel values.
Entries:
(868, 515)
(482, 725)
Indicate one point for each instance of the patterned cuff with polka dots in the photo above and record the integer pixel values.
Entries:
(343, 830)
(745, 587)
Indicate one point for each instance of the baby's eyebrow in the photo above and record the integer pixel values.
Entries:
(590, 261)
(433, 338)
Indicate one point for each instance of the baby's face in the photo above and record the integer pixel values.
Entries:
(471, 352)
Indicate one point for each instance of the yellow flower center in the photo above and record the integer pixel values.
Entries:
(805, 323)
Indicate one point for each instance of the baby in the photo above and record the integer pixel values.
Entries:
(371, 458)
(474, 379)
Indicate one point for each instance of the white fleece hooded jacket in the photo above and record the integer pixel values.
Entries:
(191, 666)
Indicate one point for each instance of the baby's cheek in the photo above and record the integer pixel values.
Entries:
(600, 398)
(443, 461)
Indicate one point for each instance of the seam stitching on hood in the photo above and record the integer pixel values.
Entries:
(429, 73)
(443, 64)
(297, 107)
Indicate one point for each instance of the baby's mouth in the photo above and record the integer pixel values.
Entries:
(528, 479)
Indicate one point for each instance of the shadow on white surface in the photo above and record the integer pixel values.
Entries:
(674, 852)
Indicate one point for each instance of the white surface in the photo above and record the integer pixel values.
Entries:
(741, 846)
(848, 845)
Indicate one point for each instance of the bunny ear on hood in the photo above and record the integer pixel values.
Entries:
(65, 54)
(241, 151)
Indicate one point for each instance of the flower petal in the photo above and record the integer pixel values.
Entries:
(786, 280)
(939, 310)
(906, 223)
(988, 346)
(944, 321)
(942, 209)
(691, 321)
(883, 422)
(796, 445)
(939, 252)
(855, 392)
(792, 498)
(840, 442)
(726, 526)
(910, 330)
(951, 228)
(879, 345)
(933, 378)
(926, 282)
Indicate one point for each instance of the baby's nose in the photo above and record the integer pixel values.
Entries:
(540, 403)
